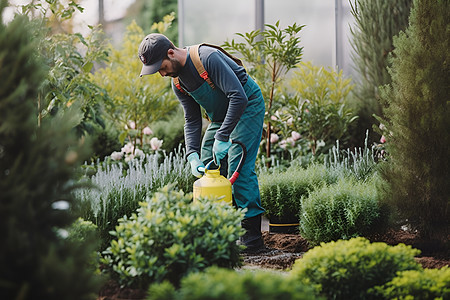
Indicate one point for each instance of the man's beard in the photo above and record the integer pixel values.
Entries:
(176, 67)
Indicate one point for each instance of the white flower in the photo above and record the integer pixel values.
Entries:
(138, 152)
(274, 138)
(290, 121)
(132, 124)
(283, 144)
(116, 155)
(147, 131)
(129, 157)
(295, 135)
(128, 148)
(273, 118)
(155, 143)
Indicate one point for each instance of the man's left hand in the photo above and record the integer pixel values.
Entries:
(220, 150)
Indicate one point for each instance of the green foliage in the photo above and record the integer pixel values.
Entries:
(171, 236)
(141, 100)
(348, 269)
(116, 192)
(37, 172)
(281, 191)
(417, 284)
(104, 141)
(319, 111)
(170, 131)
(376, 24)
(149, 12)
(343, 210)
(271, 54)
(418, 167)
(216, 283)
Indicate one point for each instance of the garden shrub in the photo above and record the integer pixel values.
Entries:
(216, 283)
(417, 121)
(348, 269)
(281, 192)
(417, 284)
(171, 236)
(116, 191)
(346, 209)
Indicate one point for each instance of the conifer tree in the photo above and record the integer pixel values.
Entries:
(418, 118)
(36, 174)
(376, 24)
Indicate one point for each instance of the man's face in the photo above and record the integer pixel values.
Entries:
(170, 67)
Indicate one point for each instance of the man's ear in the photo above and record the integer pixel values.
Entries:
(171, 53)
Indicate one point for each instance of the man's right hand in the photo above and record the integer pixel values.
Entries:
(196, 163)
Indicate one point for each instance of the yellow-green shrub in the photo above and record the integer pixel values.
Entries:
(218, 284)
(348, 269)
(422, 284)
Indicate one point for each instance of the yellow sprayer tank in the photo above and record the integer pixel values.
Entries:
(213, 185)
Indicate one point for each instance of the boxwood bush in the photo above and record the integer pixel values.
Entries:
(348, 269)
(416, 284)
(346, 209)
(171, 236)
(281, 192)
(216, 283)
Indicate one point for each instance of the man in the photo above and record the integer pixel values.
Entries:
(207, 77)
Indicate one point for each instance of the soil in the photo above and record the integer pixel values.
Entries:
(284, 249)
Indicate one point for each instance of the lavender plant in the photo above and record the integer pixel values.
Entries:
(115, 192)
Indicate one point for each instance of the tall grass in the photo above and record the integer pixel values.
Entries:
(115, 191)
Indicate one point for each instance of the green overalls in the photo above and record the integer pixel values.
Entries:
(248, 131)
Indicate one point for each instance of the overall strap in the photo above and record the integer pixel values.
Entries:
(176, 82)
(193, 52)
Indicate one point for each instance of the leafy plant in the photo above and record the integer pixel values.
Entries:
(136, 101)
(343, 210)
(348, 269)
(416, 284)
(171, 236)
(319, 110)
(70, 58)
(216, 283)
(271, 54)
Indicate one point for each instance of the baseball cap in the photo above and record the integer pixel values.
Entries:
(152, 51)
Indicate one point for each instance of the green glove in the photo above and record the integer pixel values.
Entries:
(196, 163)
(220, 150)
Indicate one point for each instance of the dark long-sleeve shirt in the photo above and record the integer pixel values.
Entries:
(228, 77)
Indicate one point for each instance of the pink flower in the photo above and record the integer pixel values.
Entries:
(155, 143)
(383, 139)
(128, 148)
(274, 138)
(147, 131)
(273, 118)
(132, 124)
(295, 135)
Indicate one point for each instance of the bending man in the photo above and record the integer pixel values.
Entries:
(205, 76)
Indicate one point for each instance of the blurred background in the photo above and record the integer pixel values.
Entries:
(326, 37)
